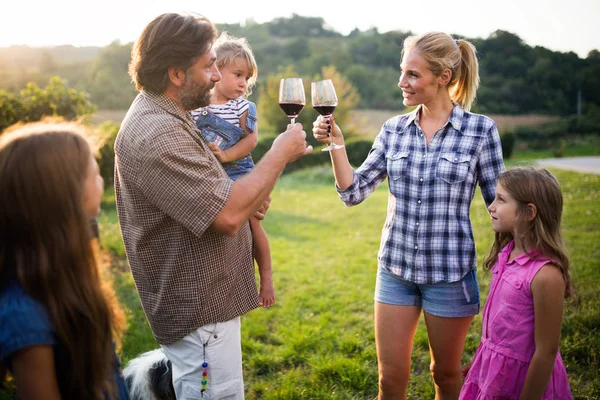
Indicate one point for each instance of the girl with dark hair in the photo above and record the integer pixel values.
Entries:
(57, 326)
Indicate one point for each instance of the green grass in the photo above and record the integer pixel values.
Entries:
(317, 342)
(576, 147)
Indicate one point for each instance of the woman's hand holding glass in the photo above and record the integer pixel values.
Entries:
(324, 100)
(325, 130)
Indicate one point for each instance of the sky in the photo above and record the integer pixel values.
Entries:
(559, 25)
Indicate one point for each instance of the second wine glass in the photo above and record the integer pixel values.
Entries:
(324, 100)
(291, 97)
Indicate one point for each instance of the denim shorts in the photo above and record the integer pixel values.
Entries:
(452, 299)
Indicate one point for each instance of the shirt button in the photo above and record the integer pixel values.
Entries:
(418, 201)
(421, 179)
(424, 155)
(417, 224)
(456, 159)
(416, 247)
(204, 112)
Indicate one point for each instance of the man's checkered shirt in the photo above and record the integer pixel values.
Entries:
(169, 188)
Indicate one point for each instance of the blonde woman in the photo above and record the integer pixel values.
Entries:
(433, 158)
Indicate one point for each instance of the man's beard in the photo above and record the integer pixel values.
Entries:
(193, 95)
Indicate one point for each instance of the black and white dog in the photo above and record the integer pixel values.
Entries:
(149, 377)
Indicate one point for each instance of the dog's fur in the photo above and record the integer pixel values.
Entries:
(149, 377)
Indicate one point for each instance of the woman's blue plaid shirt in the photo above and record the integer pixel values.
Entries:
(427, 236)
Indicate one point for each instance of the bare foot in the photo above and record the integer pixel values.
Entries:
(266, 296)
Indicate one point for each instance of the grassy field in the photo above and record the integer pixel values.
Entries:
(317, 342)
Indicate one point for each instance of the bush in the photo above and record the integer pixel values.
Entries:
(271, 116)
(560, 150)
(107, 134)
(11, 109)
(507, 139)
(34, 103)
(586, 124)
(544, 136)
(357, 149)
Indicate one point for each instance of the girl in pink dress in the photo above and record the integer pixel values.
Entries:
(518, 357)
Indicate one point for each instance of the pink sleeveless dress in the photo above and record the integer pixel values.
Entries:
(507, 343)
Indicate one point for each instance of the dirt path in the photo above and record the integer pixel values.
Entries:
(580, 164)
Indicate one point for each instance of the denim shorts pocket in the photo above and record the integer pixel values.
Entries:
(453, 167)
(471, 287)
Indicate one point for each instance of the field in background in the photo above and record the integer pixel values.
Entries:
(368, 122)
(317, 342)
(108, 115)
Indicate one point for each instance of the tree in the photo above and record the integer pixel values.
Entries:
(348, 97)
(47, 62)
(34, 103)
(11, 109)
(272, 118)
(108, 82)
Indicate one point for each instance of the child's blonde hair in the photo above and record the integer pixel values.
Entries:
(459, 56)
(528, 185)
(228, 48)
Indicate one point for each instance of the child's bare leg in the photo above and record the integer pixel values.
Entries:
(262, 254)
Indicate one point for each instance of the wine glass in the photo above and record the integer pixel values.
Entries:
(324, 100)
(291, 97)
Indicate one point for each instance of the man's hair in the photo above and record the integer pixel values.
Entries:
(170, 40)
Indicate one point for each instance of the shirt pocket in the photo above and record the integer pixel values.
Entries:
(397, 165)
(511, 295)
(453, 167)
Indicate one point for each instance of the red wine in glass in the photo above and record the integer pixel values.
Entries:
(325, 111)
(291, 97)
(292, 110)
(324, 100)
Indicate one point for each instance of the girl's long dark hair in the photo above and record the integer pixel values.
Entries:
(539, 187)
(46, 246)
